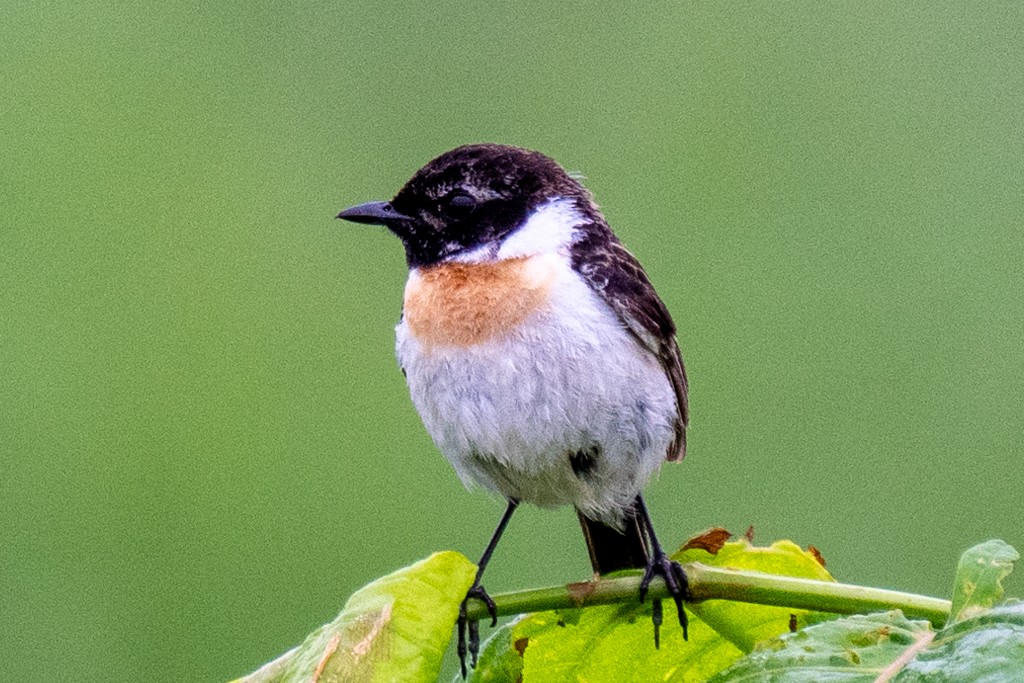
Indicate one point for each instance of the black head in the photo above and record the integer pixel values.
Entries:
(472, 196)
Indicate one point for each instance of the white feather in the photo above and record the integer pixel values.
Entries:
(549, 229)
(509, 413)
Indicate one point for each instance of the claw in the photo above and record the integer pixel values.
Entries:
(464, 625)
(460, 627)
(474, 640)
(675, 579)
(656, 617)
(471, 627)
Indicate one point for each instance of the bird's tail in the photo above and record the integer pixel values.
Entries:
(611, 549)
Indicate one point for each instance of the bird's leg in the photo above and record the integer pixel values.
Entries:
(669, 570)
(472, 627)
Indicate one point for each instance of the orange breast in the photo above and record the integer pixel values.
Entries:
(464, 304)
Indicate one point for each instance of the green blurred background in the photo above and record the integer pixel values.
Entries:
(206, 443)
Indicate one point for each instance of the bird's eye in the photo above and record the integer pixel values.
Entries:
(459, 205)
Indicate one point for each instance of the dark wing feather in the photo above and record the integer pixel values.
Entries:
(617, 277)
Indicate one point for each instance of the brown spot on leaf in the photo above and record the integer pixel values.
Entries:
(520, 645)
(383, 618)
(711, 540)
(328, 651)
(749, 535)
(816, 554)
(792, 623)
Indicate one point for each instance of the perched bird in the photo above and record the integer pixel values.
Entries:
(537, 353)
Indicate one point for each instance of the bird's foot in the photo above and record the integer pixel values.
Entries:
(675, 578)
(471, 627)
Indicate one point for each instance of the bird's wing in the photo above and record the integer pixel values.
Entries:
(616, 276)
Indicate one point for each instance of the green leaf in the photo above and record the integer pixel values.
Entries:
(986, 647)
(396, 628)
(979, 578)
(848, 650)
(499, 663)
(615, 642)
(887, 647)
(745, 624)
(605, 643)
(981, 642)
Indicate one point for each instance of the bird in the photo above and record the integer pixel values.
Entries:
(539, 356)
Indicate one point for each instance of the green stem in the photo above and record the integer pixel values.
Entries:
(714, 583)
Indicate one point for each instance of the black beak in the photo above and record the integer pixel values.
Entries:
(374, 213)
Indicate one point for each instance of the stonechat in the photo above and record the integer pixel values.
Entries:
(539, 356)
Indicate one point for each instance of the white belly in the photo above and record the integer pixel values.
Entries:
(510, 412)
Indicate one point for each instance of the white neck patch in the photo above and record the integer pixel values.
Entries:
(549, 229)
